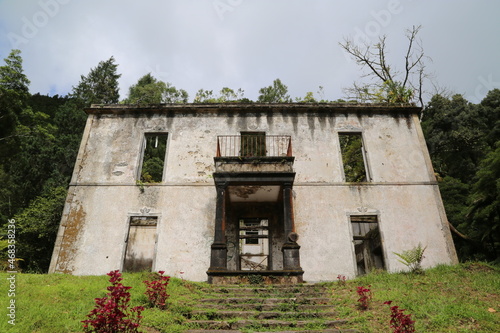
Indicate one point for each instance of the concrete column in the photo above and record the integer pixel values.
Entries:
(291, 255)
(218, 257)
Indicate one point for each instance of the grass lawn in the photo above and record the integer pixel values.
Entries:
(462, 298)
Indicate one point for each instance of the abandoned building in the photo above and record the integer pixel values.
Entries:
(291, 192)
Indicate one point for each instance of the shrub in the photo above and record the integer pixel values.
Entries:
(412, 258)
(400, 322)
(112, 313)
(156, 290)
(365, 297)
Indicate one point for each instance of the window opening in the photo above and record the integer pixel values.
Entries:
(353, 157)
(140, 244)
(254, 243)
(367, 243)
(153, 162)
(253, 144)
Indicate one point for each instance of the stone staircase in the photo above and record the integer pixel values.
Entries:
(276, 308)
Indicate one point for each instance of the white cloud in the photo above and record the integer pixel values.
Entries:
(247, 44)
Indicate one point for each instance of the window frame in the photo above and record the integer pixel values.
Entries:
(372, 218)
(364, 153)
(143, 147)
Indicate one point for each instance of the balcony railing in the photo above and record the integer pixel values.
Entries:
(254, 145)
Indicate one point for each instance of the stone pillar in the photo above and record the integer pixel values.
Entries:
(218, 257)
(291, 255)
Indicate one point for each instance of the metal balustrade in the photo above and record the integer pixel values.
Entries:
(254, 145)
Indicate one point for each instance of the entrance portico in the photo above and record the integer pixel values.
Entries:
(254, 226)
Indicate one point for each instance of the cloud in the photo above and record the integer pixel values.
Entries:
(244, 44)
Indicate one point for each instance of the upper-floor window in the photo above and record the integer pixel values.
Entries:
(353, 157)
(153, 160)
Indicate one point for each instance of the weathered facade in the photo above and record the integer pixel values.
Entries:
(294, 192)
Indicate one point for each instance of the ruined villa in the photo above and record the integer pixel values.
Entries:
(215, 192)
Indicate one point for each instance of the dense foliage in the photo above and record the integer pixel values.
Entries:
(149, 90)
(464, 144)
(40, 136)
(38, 146)
(100, 86)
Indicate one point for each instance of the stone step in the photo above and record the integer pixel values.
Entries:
(267, 307)
(327, 330)
(314, 286)
(275, 295)
(279, 308)
(264, 324)
(224, 314)
(259, 300)
(264, 290)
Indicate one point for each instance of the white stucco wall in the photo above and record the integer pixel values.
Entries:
(104, 194)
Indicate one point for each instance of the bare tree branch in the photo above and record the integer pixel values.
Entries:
(364, 58)
(391, 86)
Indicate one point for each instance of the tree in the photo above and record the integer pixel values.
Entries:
(174, 95)
(225, 95)
(22, 125)
(484, 214)
(490, 107)
(14, 95)
(44, 159)
(456, 132)
(463, 143)
(390, 86)
(308, 98)
(277, 93)
(205, 96)
(229, 95)
(100, 86)
(149, 90)
(36, 228)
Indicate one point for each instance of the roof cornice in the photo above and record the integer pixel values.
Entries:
(343, 108)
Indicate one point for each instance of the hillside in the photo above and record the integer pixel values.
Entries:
(460, 298)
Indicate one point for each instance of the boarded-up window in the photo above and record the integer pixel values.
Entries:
(353, 157)
(140, 244)
(367, 243)
(253, 144)
(153, 161)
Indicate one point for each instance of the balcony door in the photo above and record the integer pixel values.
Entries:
(253, 144)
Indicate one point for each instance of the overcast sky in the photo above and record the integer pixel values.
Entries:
(247, 44)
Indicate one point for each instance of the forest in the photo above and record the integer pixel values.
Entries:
(40, 137)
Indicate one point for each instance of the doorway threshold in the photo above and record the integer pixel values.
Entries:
(255, 277)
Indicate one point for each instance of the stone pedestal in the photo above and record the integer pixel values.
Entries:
(291, 256)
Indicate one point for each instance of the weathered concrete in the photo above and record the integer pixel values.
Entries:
(104, 193)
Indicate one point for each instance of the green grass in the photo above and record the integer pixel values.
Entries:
(444, 299)
(458, 298)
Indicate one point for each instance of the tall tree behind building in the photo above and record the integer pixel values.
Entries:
(100, 86)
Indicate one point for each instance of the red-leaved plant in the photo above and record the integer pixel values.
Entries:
(365, 297)
(341, 279)
(112, 313)
(400, 322)
(156, 290)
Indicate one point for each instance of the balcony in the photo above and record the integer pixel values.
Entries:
(254, 152)
(254, 145)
